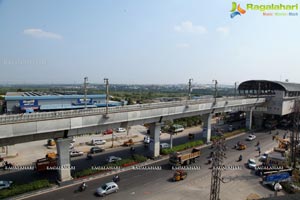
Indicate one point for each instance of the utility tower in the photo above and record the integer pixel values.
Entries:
(217, 166)
(294, 138)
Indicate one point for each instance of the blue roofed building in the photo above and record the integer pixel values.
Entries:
(20, 102)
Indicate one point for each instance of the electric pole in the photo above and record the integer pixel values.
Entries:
(216, 90)
(217, 167)
(107, 94)
(85, 91)
(235, 88)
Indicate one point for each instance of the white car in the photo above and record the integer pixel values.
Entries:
(98, 141)
(112, 159)
(120, 130)
(164, 145)
(107, 188)
(5, 184)
(75, 153)
(250, 137)
(251, 164)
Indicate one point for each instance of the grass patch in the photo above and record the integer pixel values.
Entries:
(182, 147)
(20, 189)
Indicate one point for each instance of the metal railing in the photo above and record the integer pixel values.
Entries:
(39, 116)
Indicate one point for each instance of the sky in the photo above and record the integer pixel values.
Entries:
(145, 42)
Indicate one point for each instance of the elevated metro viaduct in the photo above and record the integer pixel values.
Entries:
(64, 124)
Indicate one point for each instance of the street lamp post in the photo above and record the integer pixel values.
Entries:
(85, 91)
(107, 95)
(235, 88)
(216, 89)
(190, 88)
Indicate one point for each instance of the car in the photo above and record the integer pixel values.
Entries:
(108, 131)
(146, 140)
(251, 137)
(263, 158)
(120, 130)
(107, 188)
(164, 145)
(251, 163)
(112, 159)
(94, 150)
(5, 184)
(74, 153)
(98, 141)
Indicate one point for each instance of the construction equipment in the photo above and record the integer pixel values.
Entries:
(179, 159)
(179, 175)
(282, 143)
(128, 143)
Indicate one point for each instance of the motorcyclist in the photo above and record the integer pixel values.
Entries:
(240, 158)
(116, 178)
(83, 186)
(132, 149)
(89, 156)
(257, 144)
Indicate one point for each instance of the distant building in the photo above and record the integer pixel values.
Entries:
(18, 102)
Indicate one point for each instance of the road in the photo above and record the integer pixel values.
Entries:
(156, 184)
(80, 163)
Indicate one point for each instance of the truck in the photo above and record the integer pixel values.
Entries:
(178, 159)
(44, 164)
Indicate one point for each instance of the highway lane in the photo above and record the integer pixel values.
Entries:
(80, 163)
(156, 184)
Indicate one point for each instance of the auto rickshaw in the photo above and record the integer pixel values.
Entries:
(179, 175)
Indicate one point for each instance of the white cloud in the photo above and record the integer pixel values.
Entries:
(187, 26)
(39, 33)
(183, 45)
(223, 30)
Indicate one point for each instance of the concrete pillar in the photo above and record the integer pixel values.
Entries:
(258, 119)
(171, 140)
(64, 166)
(207, 126)
(154, 134)
(249, 119)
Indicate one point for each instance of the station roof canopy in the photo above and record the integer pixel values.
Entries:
(269, 85)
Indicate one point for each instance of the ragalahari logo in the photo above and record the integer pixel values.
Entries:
(236, 10)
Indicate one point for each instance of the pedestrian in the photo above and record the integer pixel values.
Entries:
(259, 152)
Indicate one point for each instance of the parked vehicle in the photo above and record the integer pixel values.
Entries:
(5, 184)
(94, 150)
(108, 131)
(179, 159)
(74, 153)
(179, 175)
(98, 141)
(120, 130)
(107, 188)
(128, 143)
(112, 159)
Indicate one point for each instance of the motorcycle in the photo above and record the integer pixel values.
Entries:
(240, 158)
(82, 187)
(116, 178)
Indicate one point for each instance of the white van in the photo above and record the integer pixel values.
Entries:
(98, 141)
